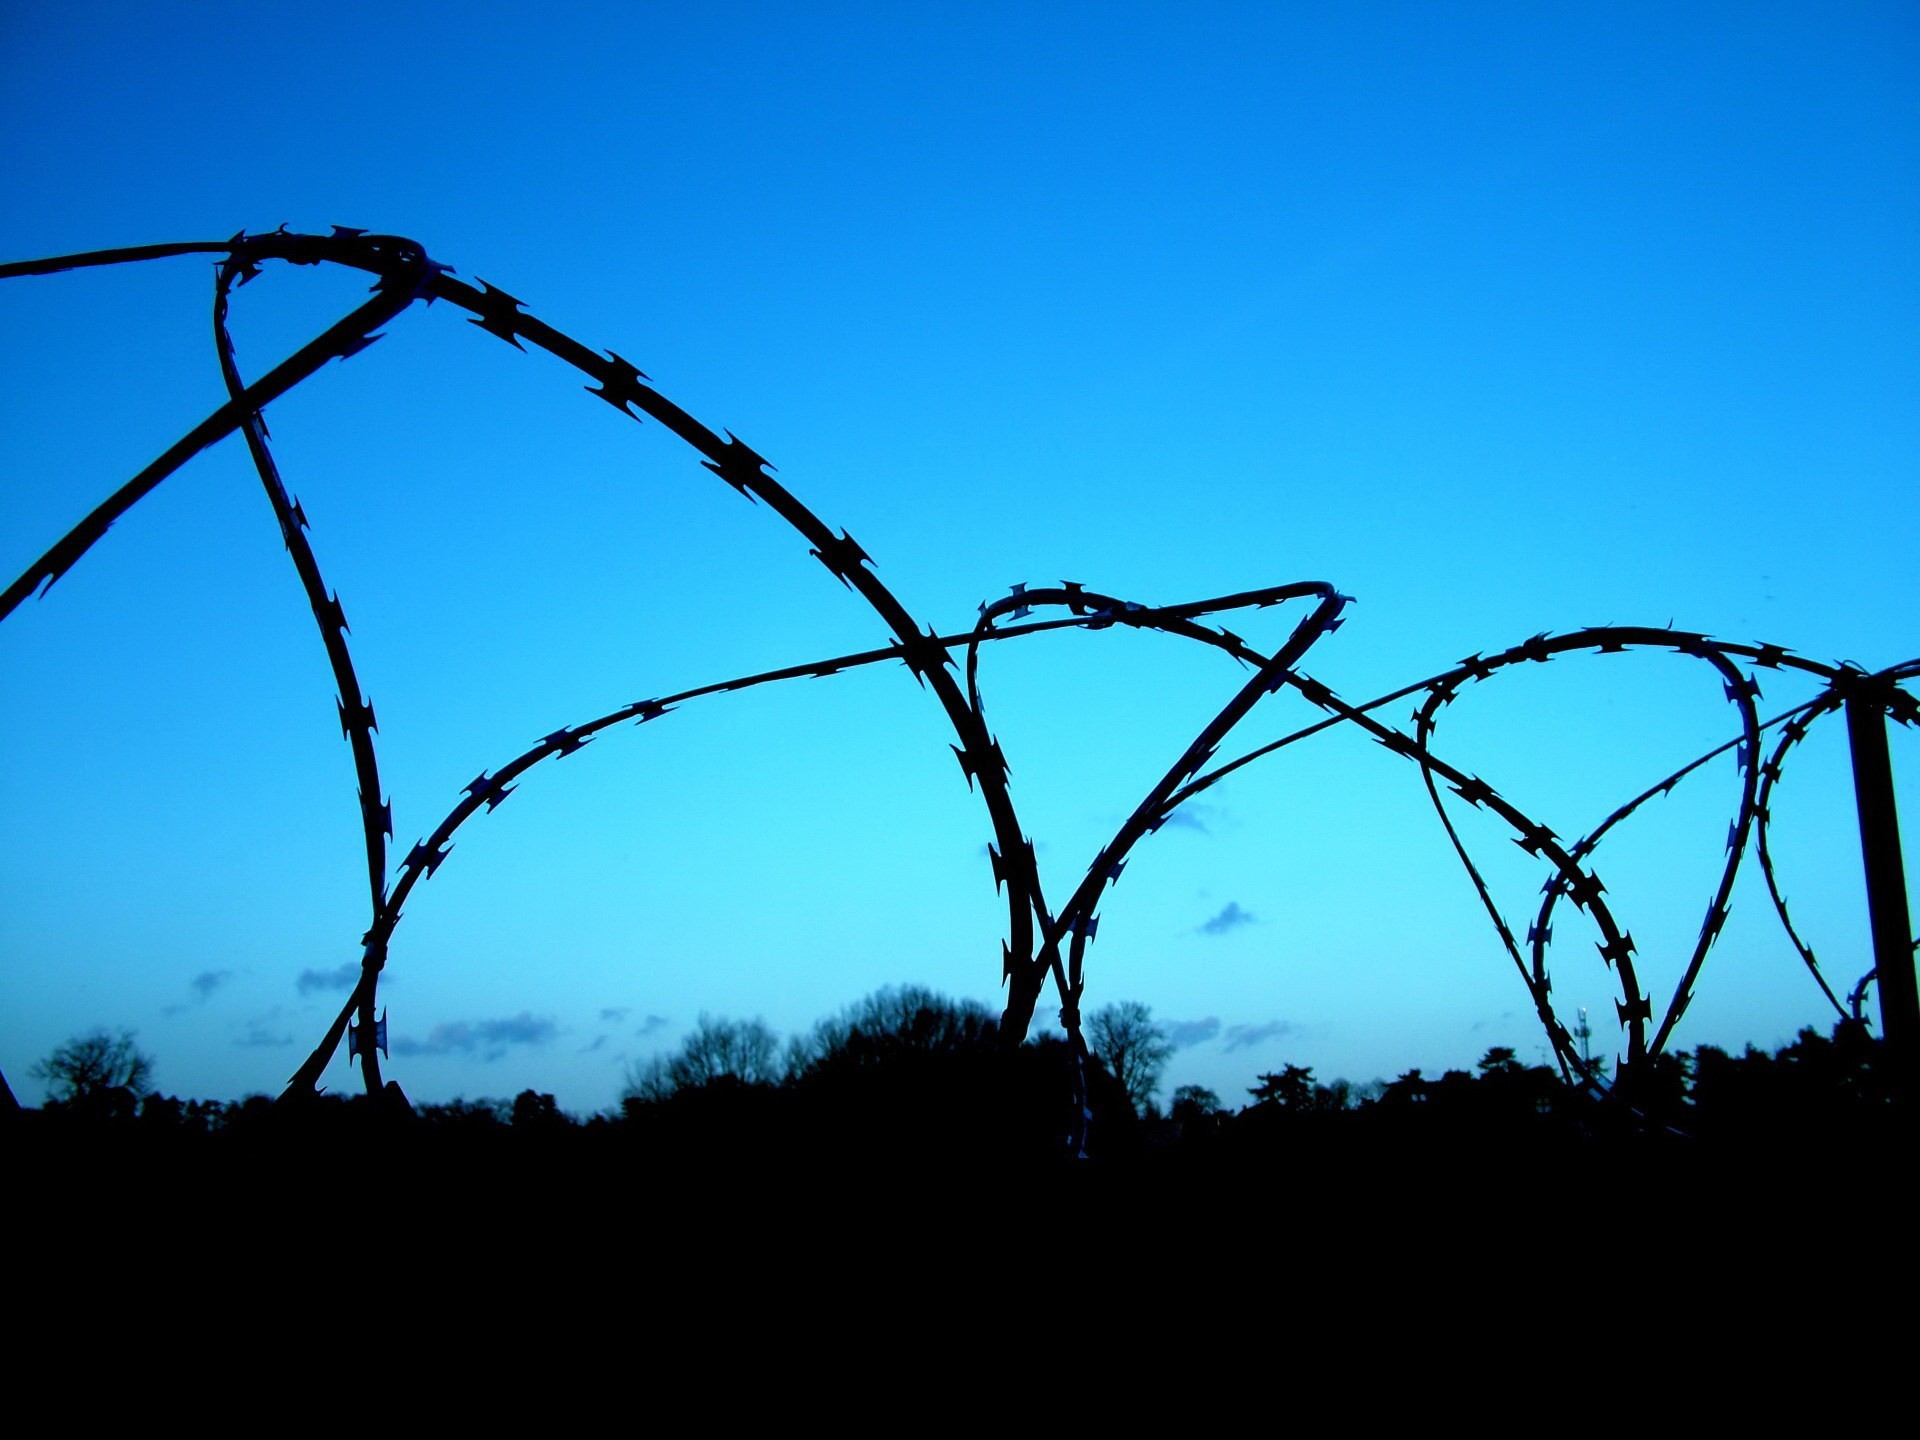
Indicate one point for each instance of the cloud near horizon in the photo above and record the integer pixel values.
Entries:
(266, 1031)
(343, 977)
(1231, 918)
(1245, 1037)
(203, 985)
(1183, 1033)
(483, 1039)
(1195, 817)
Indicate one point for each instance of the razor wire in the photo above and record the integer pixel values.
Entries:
(1042, 944)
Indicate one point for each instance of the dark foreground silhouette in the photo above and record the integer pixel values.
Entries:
(927, 1133)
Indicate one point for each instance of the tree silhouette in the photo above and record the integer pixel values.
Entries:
(533, 1110)
(1195, 1111)
(890, 1025)
(719, 1051)
(1499, 1061)
(912, 1074)
(1125, 1039)
(92, 1069)
(1290, 1089)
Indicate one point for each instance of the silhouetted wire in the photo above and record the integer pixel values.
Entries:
(405, 274)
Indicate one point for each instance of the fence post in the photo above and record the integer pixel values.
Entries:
(1886, 884)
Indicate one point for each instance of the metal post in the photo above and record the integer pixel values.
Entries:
(1886, 883)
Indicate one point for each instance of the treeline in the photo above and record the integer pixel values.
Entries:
(907, 1074)
(901, 1153)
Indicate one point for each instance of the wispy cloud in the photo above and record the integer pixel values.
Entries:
(343, 978)
(1183, 1033)
(599, 1043)
(1196, 817)
(1231, 918)
(650, 1025)
(203, 985)
(614, 1014)
(1245, 1037)
(261, 1037)
(481, 1039)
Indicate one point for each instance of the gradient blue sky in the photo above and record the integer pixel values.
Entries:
(1502, 318)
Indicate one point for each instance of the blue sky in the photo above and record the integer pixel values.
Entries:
(1500, 318)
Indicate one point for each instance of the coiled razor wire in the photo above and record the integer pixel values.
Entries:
(1043, 944)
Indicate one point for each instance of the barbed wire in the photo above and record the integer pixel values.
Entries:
(1036, 934)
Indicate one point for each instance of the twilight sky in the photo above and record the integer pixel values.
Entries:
(1502, 318)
